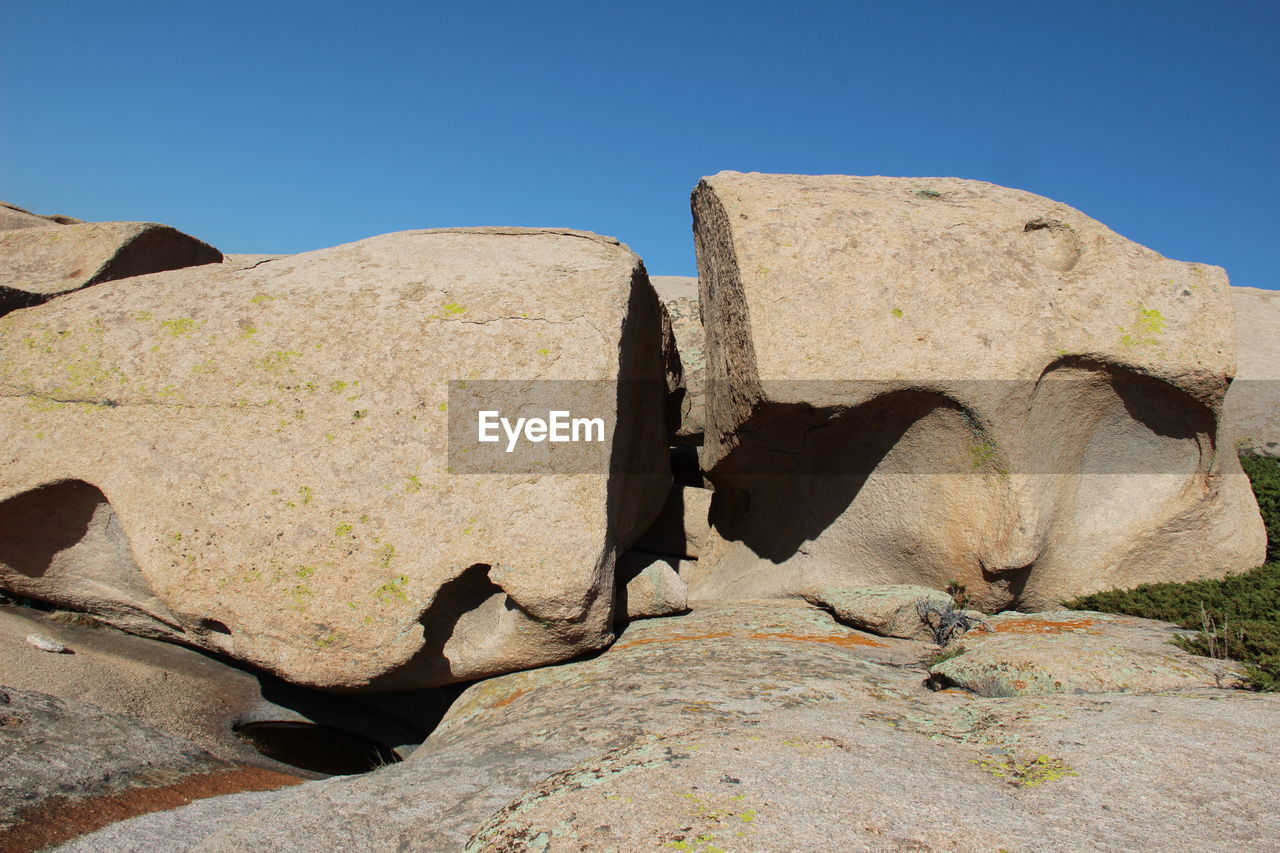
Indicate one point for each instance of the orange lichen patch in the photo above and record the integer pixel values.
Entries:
(1043, 626)
(672, 638)
(847, 641)
(509, 698)
(60, 819)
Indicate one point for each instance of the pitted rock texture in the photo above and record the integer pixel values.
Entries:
(932, 380)
(252, 457)
(766, 726)
(37, 264)
(1253, 403)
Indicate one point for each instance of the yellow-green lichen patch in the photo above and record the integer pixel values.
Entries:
(392, 590)
(1025, 772)
(413, 485)
(276, 361)
(179, 326)
(1145, 330)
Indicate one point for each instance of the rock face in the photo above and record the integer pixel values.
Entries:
(766, 726)
(934, 380)
(37, 264)
(1253, 403)
(254, 459)
(679, 294)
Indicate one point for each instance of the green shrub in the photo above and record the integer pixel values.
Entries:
(1237, 616)
(1264, 473)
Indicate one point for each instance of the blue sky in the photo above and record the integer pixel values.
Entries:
(284, 127)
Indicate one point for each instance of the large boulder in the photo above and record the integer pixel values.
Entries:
(939, 380)
(1253, 403)
(37, 264)
(256, 458)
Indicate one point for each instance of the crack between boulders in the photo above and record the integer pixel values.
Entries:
(113, 404)
(532, 319)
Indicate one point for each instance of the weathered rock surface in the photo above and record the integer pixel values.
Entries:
(1067, 651)
(254, 459)
(765, 726)
(37, 264)
(651, 585)
(51, 747)
(1253, 404)
(181, 691)
(926, 380)
(13, 217)
(889, 611)
(679, 294)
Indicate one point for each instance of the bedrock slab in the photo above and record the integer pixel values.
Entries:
(765, 726)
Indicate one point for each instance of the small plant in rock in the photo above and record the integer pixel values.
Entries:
(947, 622)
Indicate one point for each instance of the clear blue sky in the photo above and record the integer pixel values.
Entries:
(284, 127)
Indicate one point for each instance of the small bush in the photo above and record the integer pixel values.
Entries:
(1264, 473)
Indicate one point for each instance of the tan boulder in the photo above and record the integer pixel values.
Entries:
(37, 264)
(257, 460)
(13, 217)
(651, 585)
(679, 295)
(935, 380)
(1253, 403)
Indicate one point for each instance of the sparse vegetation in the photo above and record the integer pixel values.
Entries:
(949, 622)
(1237, 617)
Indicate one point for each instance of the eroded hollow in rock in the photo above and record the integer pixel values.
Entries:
(63, 542)
(317, 748)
